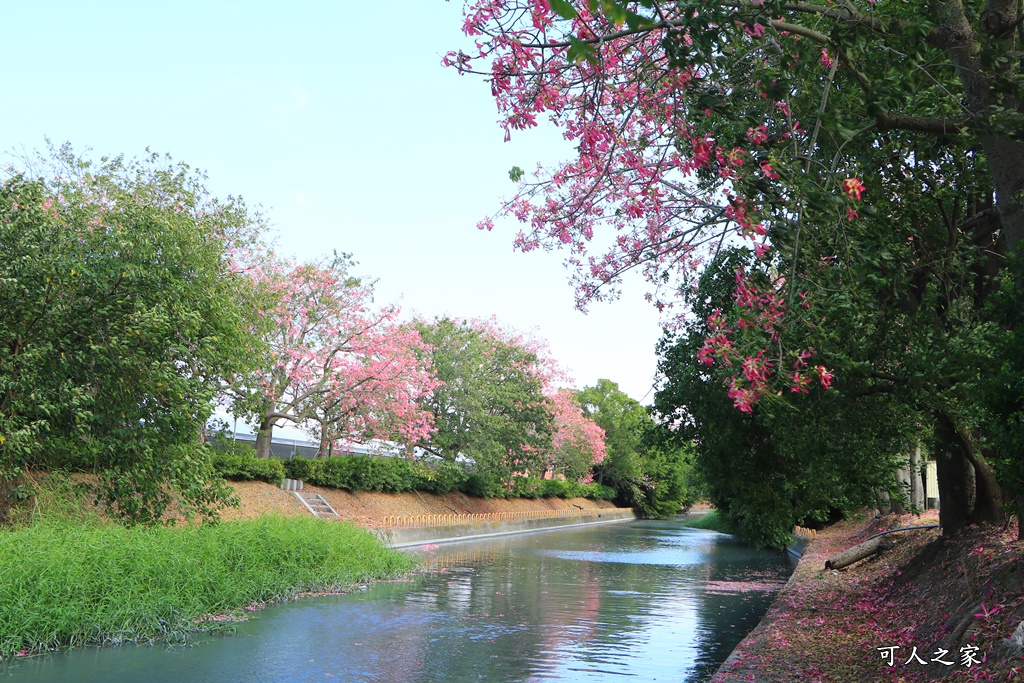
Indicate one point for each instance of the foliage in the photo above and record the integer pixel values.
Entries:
(532, 487)
(649, 470)
(332, 358)
(577, 444)
(712, 521)
(397, 475)
(122, 316)
(247, 467)
(870, 153)
(490, 406)
(391, 475)
(786, 461)
(111, 584)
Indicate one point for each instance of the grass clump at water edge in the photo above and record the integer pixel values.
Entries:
(712, 521)
(67, 584)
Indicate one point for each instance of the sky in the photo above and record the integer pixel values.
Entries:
(339, 120)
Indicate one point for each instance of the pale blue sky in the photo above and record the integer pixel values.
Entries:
(338, 118)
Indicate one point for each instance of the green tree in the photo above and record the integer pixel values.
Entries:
(490, 406)
(122, 317)
(650, 469)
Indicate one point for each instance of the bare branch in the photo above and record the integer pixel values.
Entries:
(919, 124)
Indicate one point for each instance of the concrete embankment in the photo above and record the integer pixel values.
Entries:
(408, 537)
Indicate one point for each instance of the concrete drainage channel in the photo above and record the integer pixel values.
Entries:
(404, 538)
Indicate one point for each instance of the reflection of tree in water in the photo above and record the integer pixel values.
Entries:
(518, 614)
(738, 587)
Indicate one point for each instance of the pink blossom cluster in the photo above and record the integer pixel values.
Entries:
(334, 358)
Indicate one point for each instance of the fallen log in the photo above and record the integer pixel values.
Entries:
(859, 552)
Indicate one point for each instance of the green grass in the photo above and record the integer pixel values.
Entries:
(711, 521)
(75, 583)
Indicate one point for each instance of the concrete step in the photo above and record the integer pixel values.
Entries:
(316, 505)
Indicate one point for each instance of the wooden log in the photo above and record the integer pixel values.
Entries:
(858, 552)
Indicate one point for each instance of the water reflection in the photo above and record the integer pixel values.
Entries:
(642, 601)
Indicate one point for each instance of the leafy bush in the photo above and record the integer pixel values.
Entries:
(300, 468)
(483, 486)
(395, 475)
(245, 467)
(439, 478)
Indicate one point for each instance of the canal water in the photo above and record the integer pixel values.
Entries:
(637, 601)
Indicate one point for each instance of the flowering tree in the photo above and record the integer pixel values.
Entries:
(333, 359)
(708, 124)
(490, 406)
(577, 443)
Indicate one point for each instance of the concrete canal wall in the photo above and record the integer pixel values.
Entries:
(407, 537)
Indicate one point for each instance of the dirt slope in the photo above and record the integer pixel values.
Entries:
(369, 508)
(961, 595)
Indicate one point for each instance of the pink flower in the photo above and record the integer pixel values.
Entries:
(757, 135)
(853, 188)
(825, 376)
(825, 60)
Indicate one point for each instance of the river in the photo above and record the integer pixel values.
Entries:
(640, 601)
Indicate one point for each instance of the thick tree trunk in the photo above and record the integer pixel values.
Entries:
(954, 479)
(884, 503)
(985, 495)
(963, 46)
(264, 437)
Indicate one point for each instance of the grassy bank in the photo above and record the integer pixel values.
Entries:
(711, 521)
(67, 584)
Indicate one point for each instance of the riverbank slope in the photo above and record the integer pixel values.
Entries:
(371, 509)
(963, 596)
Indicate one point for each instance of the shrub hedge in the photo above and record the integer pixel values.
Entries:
(244, 467)
(396, 475)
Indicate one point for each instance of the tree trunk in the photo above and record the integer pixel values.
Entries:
(954, 478)
(1005, 155)
(917, 490)
(1020, 517)
(263, 438)
(988, 506)
(859, 552)
(884, 503)
(903, 481)
(985, 495)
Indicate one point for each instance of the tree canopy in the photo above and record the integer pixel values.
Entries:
(490, 406)
(333, 360)
(122, 317)
(868, 154)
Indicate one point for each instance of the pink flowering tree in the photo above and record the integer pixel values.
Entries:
(865, 155)
(336, 364)
(700, 125)
(577, 443)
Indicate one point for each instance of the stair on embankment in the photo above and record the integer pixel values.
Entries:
(316, 504)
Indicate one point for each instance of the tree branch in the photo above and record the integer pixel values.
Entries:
(919, 124)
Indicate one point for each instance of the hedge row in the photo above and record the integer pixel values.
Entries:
(244, 467)
(389, 475)
(395, 475)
